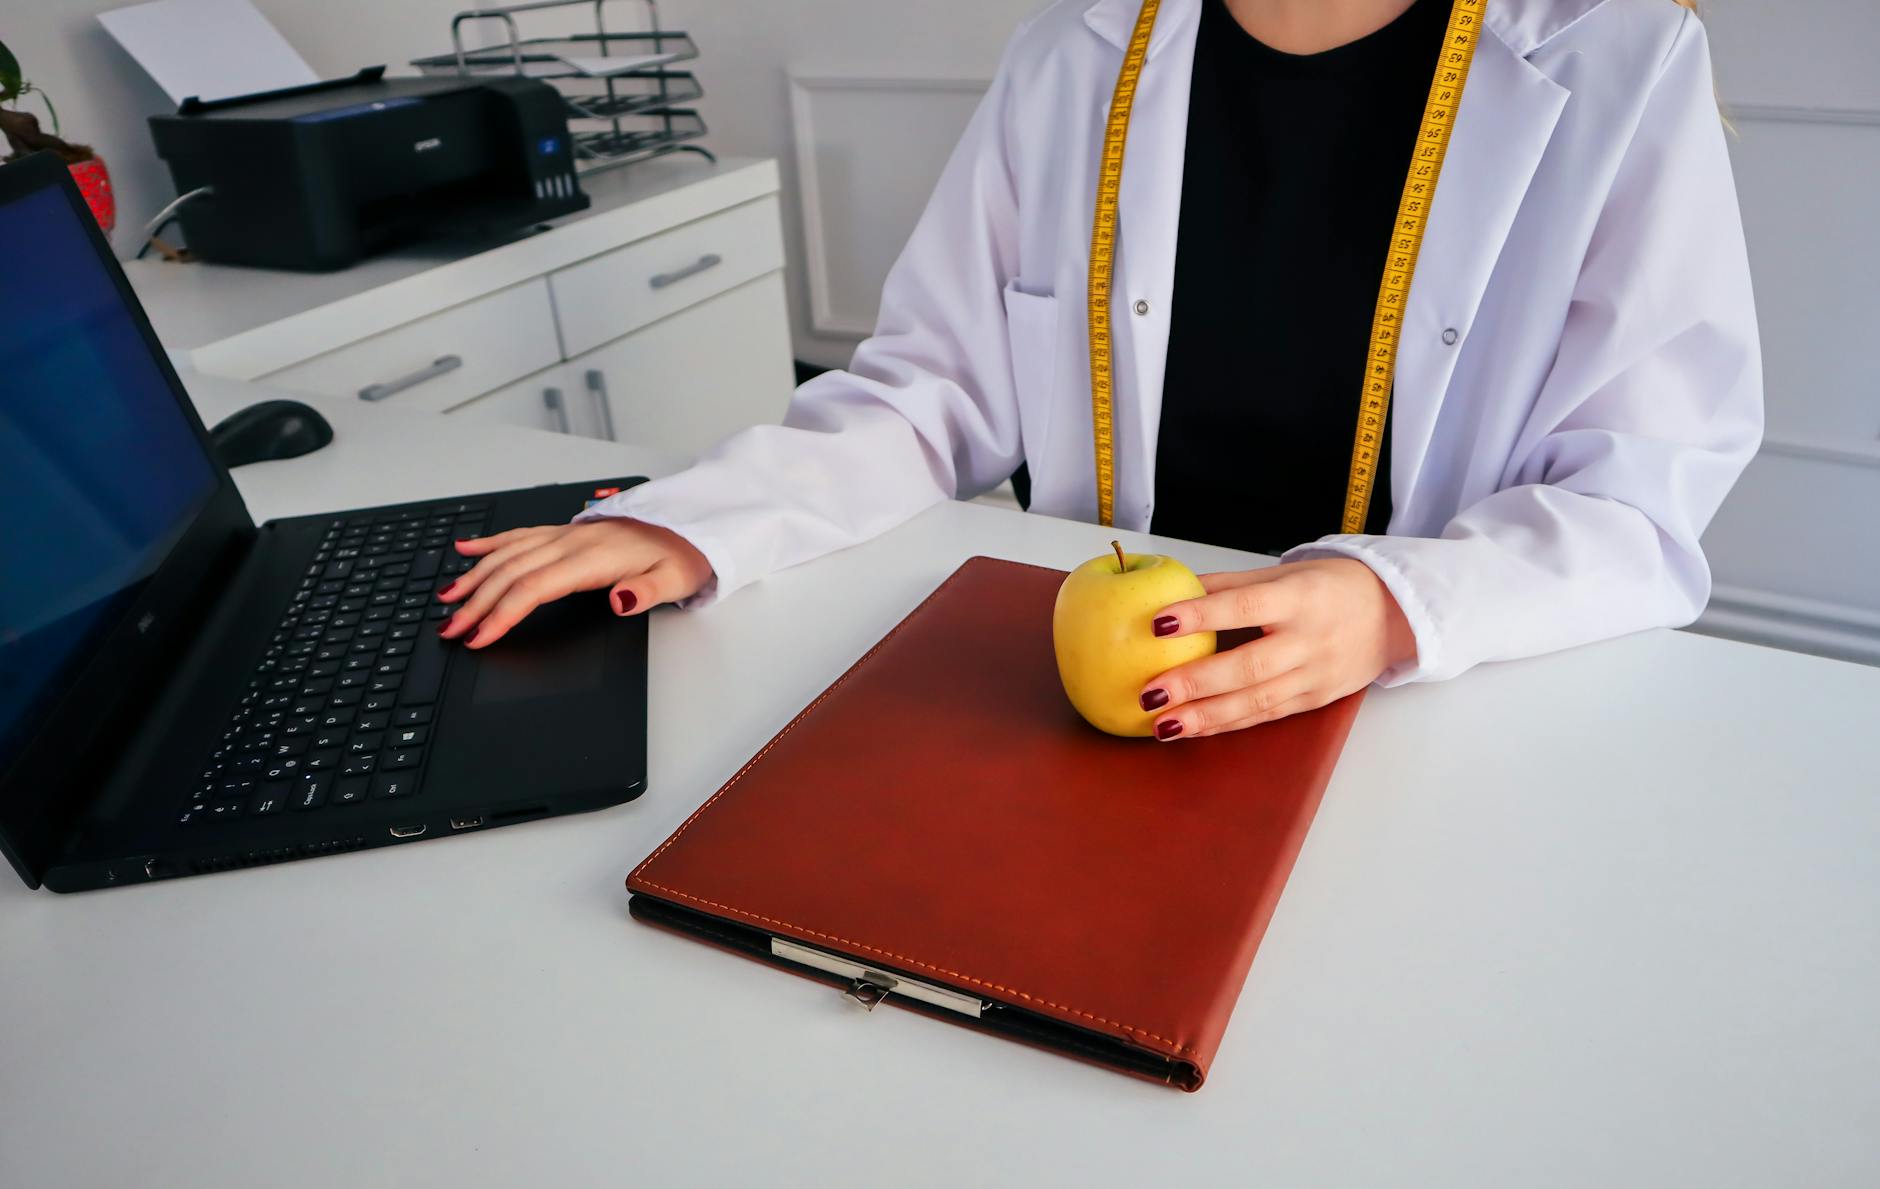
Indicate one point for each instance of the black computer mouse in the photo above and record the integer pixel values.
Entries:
(271, 430)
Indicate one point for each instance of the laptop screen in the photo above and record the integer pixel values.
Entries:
(100, 470)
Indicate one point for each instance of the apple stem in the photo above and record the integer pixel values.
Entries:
(1122, 563)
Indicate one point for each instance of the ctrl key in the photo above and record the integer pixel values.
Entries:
(387, 785)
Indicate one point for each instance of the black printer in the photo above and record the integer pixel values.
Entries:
(320, 176)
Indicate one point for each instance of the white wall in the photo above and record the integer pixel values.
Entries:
(1796, 549)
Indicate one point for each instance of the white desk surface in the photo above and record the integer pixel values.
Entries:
(1606, 918)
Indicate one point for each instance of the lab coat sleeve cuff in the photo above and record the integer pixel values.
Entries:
(1416, 609)
(642, 503)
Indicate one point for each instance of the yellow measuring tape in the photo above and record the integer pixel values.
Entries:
(1426, 165)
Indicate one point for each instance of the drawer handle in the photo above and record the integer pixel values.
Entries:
(603, 412)
(552, 398)
(436, 368)
(709, 260)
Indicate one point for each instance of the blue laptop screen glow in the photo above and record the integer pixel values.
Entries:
(99, 469)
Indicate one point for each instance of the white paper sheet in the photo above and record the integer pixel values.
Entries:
(210, 49)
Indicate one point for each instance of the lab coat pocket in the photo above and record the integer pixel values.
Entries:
(1031, 321)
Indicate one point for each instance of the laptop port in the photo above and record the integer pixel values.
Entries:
(407, 831)
(465, 823)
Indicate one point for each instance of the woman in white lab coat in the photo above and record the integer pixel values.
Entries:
(1577, 385)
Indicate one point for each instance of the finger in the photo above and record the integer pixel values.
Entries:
(1228, 579)
(470, 581)
(1251, 605)
(1297, 705)
(589, 569)
(662, 582)
(479, 546)
(495, 584)
(1237, 668)
(1286, 694)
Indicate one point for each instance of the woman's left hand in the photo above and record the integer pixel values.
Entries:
(1329, 628)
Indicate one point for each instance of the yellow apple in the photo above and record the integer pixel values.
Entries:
(1106, 648)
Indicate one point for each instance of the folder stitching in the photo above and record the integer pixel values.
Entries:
(980, 982)
(639, 873)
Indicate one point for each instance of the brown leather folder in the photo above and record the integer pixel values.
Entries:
(940, 830)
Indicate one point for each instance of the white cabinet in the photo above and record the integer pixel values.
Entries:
(681, 383)
(438, 361)
(539, 401)
(656, 317)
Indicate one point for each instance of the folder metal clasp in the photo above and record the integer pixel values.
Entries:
(866, 993)
(868, 986)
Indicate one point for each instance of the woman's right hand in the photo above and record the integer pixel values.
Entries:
(526, 567)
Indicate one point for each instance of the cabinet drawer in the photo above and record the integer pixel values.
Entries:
(442, 360)
(528, 402)
(673, 386)
(599, 300)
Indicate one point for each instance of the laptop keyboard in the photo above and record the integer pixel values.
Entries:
(343, 704)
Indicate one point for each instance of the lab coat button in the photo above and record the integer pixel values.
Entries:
(1450, 336)
(1142, 307)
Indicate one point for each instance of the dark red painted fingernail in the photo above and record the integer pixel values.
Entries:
(1168, 728)
(445, 626)
(443, 592)
(1155, 699)
(624, 601)
(1166, 625)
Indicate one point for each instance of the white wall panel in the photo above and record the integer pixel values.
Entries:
(868, 151)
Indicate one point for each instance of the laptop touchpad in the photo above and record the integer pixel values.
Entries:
(554, 652)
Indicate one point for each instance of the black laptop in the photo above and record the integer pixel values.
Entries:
(182, 692)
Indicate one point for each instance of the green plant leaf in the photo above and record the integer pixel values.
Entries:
(9, 74)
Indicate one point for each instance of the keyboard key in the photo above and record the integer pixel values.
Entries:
(392, 784)
(365, 744)
(404, 631)
(396, 648)
(408, 736)
(325, 760)
(358, 765)
(377, 702)
(350, 792)
(385, 683)
(424, 676)
(346, 697)
(221, 810)
(412, 715)
(426, 563)
(293, 745)
(323, 669)
(391, 665)
(401, 759)
(374, 722)
(271, 799)
(337, 718)
(311, 792)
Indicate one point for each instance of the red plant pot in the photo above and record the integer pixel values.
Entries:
(94, 182)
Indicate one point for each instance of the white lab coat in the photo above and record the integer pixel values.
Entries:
(1579, 379)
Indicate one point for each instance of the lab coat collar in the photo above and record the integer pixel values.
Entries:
(1522, 25)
